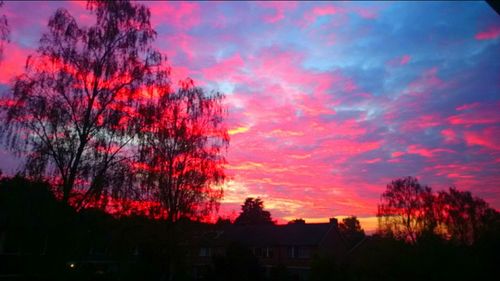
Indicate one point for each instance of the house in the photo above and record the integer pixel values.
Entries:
(293, 246)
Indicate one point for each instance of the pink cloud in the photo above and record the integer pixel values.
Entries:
(372, 161)
(486, 138)
(476, 114)
(426, 152)
(184, 44)
(280, 8)
(467, 106)
(366, 12)
(226, 68)
(449, 135)
(463, 174)
(13, 63)
(490, 33)
(290, 142)
(326, 10)
(271, 157)
(279, 72)
(348, 148)
(180, 72)
(413, 100)
(405, 59)
(422, 122)
(396, 154)
(14, 12)
(310, 17)
(398, 61)
(350, 86)
(181, 15)
(427, 82)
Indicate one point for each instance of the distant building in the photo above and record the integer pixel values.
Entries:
(293, 246)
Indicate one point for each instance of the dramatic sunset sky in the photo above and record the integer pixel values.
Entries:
(328, 101)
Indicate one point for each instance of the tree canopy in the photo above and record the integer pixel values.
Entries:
(182, 139)
(351, 230)
(4, 31)
(252, 212)
(96, 115)
(464, 217)
(410, 211)
(72, 107)
(404, 209)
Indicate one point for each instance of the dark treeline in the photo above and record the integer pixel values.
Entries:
(450, 235)
(410, 211)
(45, 236)
(98, 122)
(96, 116)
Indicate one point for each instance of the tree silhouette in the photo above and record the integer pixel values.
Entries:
(223, 221)
(412, 212)
(71, 111)
(464, 216)
(406, 209)
(4, 31)
(252, 212)
(351, 230)
(297, 221)
(181, 149)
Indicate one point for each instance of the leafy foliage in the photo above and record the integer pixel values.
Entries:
(95, 114)
(252, 212)
(406, 209)
(182, 140)
(412, 212)
(351, 230)
(71, 110)
(4, 31)
(464, 217)
(34, 221)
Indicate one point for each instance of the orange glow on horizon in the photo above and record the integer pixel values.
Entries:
(369, 224)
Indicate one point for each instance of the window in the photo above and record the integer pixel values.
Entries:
(269, 252)
(204, 252)
(301, 252)
(292, 252)
(266, 252)
(304, 252)
(136, 251)
(257, 252)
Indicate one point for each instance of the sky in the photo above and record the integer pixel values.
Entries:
(327, 101)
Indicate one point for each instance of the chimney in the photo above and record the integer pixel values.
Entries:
(334, 221)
